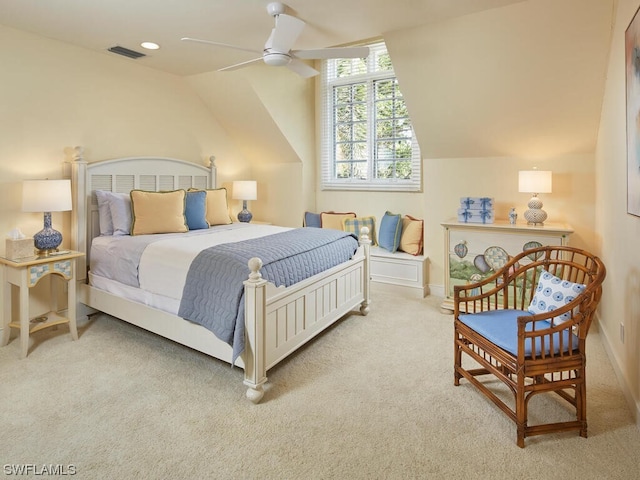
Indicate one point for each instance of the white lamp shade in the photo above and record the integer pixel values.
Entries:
(245, 190)
(534, 181)
(46, 195)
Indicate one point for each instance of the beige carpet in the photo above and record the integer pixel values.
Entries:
(372, 398)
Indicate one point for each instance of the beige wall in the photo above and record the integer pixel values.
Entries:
(572, 200)
(269, 114)
(54, 95)
(617, 232)
(493, 93)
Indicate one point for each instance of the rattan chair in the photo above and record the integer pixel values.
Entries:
(530, 353)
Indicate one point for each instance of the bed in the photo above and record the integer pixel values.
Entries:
(277, 320)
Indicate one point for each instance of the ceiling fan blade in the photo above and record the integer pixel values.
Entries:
(336, 52)
(286, 32)
(218, 44)
(302, 69)
(239, 65)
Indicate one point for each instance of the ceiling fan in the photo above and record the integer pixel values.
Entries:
(278, 51)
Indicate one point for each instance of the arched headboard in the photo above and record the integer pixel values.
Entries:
(122, 175)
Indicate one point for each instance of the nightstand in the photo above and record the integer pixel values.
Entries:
(24, 274)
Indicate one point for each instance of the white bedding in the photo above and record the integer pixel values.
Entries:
(159, 278)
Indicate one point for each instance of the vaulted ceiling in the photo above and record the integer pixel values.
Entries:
(100, 24)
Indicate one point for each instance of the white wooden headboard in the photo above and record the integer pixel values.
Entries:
(122, 175)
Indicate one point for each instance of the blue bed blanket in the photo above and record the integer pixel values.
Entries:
(213, 294)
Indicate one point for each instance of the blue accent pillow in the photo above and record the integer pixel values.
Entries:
(390, 231)
(552, 293)
(196, 210)
(312, 220)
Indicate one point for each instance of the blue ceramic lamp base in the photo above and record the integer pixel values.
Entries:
(244, 215)
(47, 240)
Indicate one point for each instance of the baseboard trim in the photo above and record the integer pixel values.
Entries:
(436, 290)
(634, 403)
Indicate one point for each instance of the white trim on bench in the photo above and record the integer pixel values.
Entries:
(400, 270)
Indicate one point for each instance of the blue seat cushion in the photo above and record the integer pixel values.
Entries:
(500, 327)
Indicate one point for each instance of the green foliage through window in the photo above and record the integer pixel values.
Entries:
(368, 122)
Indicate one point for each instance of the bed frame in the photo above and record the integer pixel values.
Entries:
(278, 320)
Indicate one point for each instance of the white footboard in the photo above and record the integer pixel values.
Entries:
(280, 320)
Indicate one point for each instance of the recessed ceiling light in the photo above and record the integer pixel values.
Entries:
(150, 45)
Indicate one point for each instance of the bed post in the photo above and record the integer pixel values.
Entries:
(79, 221)
(255, 371)
(365, 241)
(213, 172)
(79, 214)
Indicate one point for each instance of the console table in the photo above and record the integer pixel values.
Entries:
(474, 250)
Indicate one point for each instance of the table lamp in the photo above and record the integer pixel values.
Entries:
(534, 182)
(46, 196)
(245, 190)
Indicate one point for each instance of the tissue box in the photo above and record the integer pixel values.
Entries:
(16, 249)
(468, 215)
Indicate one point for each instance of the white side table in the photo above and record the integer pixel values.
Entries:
(26, 273)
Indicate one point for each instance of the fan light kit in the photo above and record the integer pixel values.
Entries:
(277, 51)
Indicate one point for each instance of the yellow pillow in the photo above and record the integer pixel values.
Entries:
(411, 238)
(158, 212)
(217, 208)
(335, 220)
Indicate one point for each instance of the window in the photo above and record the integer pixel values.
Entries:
(367, 138)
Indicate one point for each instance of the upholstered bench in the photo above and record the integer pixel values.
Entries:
(407, 273)
(390, 264)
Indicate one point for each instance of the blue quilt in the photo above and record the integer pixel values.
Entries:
(213, 294)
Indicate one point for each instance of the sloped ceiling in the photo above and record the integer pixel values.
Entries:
(481, 77)
(525, 80)
(267, 112)
(100, 24)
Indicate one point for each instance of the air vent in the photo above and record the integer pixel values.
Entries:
(126, 52)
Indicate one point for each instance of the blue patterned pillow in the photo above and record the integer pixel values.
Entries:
(353, 225)
(390, 231)
(196, 210)
(552, 293)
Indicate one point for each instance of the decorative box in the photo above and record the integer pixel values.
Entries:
(21, 248)
(476, 203)
(470, 215)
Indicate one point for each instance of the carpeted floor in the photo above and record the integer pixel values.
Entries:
(372, 398)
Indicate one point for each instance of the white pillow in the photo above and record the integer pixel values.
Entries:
(120, 208)
(552, 293)
(104, 212)
(114, 212)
